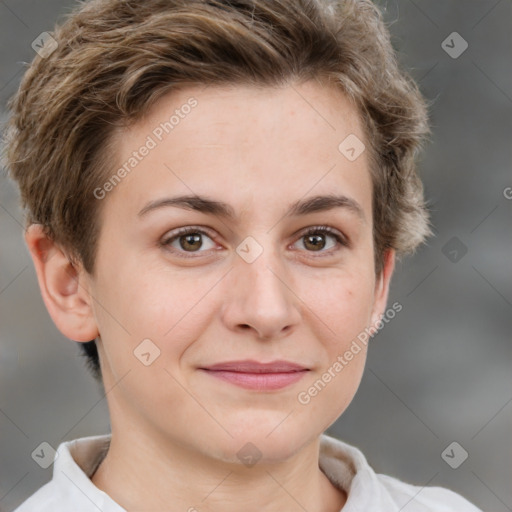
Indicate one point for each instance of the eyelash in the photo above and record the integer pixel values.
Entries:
(340, 239)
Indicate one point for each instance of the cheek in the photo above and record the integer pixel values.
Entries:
(157, 316)
(165, 307)
(341, 311)
(342, 304)
(331, 390)
(344, 311)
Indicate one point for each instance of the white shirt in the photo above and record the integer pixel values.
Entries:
(71, 489)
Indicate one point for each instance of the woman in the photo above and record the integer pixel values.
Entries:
(217, 193)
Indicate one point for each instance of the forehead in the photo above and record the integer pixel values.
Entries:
(239, 141)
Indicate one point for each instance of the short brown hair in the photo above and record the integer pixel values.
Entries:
(115, 58)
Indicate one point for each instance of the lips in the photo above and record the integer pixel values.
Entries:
(257, 376)
(249, 366)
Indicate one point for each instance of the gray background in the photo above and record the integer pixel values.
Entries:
(439, 372)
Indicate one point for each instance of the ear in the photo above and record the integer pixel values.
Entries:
(64, 288)
(382, 286)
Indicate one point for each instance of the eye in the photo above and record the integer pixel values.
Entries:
(187, 240)
(314, 239)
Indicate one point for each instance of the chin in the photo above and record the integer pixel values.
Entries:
(268, 439)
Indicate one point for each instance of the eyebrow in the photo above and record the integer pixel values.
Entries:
(202, 204)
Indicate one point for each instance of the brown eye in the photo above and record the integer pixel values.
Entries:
(188, 240)
(316, 239)
(314, 242)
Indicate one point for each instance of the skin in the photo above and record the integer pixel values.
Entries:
(176, 430)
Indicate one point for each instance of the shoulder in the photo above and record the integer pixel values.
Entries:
(415, 498)
(71, 487)
(347, 468)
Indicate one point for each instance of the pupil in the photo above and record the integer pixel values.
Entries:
(190, 239)
(316, 241)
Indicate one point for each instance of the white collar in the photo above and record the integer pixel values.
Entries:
(346, 467)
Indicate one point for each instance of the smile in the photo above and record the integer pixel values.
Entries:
(258, 376)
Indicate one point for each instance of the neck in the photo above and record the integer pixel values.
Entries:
(146, 473)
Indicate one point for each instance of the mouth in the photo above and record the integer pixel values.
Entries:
(258, 376)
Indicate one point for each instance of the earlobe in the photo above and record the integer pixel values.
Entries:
(63, 287)
(382, 286)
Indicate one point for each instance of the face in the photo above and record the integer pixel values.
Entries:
(246, 278)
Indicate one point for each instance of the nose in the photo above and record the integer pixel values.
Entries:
(261, 298)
